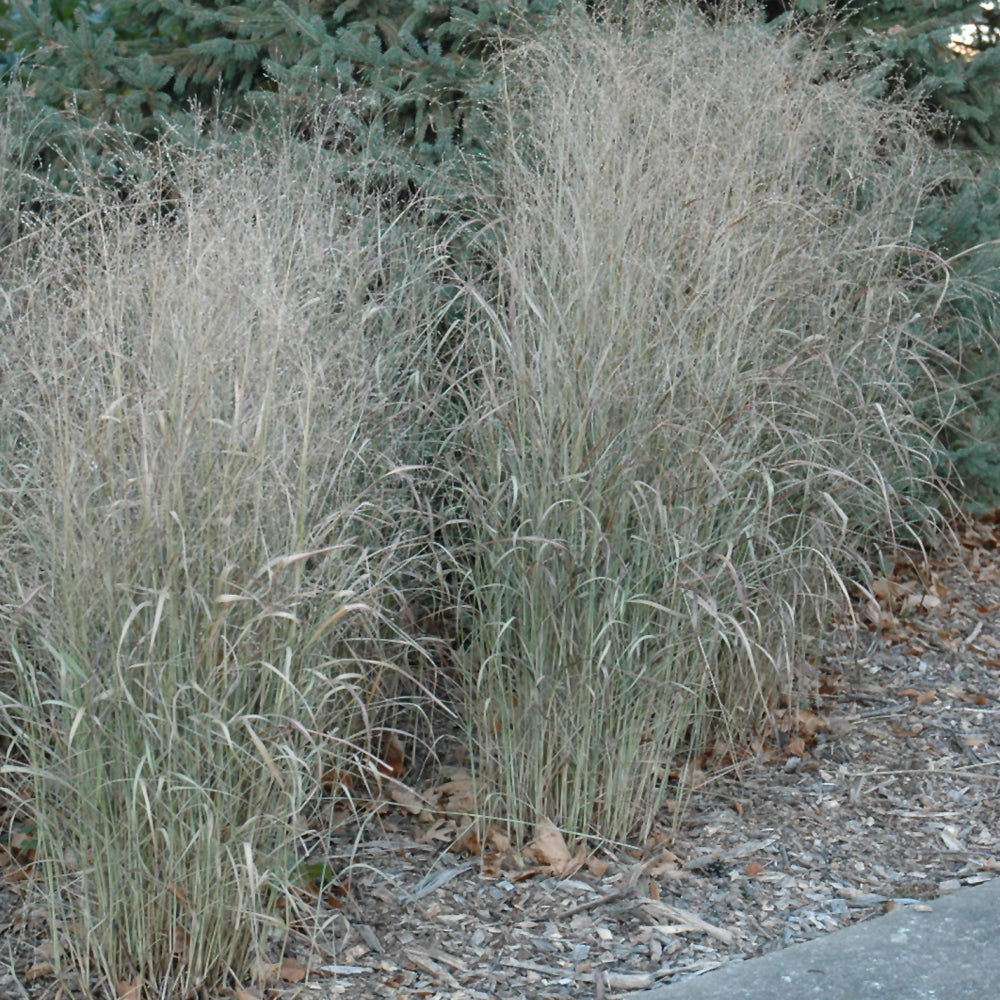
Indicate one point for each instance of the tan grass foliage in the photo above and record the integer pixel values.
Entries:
(693, 405)
(202, 498)
(253, 429)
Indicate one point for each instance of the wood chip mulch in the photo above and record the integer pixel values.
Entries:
(889, 796)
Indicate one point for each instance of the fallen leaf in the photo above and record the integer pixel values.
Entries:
(39, 971)
(523, 876)
(334, 780)
(262, 971)
(549, 848)
(179, 894)
(829, 684)
(576, 863)
(597, 867)
(920, 697)
(889, 593)
(923, 602)
(15, 872)
(455, 795)
(753, 869)
(129, 991)
(442, 829)
(392, 763)
(291, 970)
(667, 864)
(180, 940)
(406, 798)
(498, 841)
(468, 840)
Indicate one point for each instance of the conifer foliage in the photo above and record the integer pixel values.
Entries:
(414, 66)
(947, 51)
(947, 48)
(415, 75)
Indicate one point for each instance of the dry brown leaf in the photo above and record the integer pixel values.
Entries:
(179, 894)
(597, 867)
(922, 602)
(667, 864)
(39, 971)
(468, 840)
(15, 873)
(754, 869)
(291, 970)
(549, 847)
(129, 991)
(45, 952)
(809, 723)
(392, 758)
(406, 798)
(890, 593)
(180, 940)
(576, 862)
(882, 619)
(455, 795)
(262, 971)
(442, 829)
(524, 874)
(498, 841)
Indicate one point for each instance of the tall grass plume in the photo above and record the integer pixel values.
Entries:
(693, 415)
(207, 517)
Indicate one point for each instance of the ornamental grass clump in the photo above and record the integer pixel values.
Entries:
(693, 415)
(206, 382)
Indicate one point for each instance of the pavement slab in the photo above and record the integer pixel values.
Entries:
(946, 949)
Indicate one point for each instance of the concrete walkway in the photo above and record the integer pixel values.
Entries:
(951, 952)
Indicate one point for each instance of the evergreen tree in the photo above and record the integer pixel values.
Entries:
(947, 52)
(915, 41)
(414, 67)
(414, 72)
